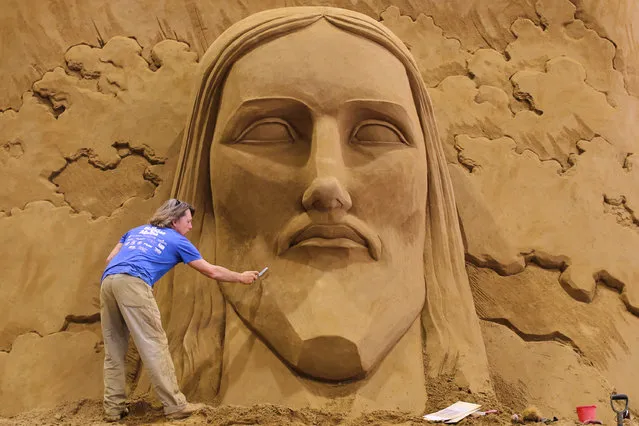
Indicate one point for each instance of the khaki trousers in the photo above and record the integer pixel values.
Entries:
(127, 306)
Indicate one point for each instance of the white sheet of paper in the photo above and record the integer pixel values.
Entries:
(460, 409)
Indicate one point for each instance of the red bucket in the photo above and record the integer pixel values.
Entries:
(587, 412)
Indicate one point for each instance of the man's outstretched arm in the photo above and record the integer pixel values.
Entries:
(220, 273)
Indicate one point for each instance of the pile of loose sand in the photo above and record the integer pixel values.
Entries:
(89, 412)
(143, 412)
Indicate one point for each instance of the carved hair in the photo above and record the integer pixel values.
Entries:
(453, 338)
(171, 210)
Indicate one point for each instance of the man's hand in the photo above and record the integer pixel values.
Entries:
(247, 277)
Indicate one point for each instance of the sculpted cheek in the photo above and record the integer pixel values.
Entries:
(248, 189)
(391, 190)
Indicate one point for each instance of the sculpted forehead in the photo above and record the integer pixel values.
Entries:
(322, 66)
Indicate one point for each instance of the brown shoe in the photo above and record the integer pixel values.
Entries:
(185, 412)
(116, 417)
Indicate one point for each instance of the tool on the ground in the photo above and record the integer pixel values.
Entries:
(615, 400)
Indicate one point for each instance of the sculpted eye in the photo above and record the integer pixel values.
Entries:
(269, 131)
(376, 132)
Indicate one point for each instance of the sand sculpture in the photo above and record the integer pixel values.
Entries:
(350, 206)
(535, 104)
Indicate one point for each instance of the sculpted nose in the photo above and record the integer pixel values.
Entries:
(326, 169)
(325, 194)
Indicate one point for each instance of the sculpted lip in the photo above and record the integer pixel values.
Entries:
(345, 234)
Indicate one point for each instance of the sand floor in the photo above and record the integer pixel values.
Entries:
(89, 412)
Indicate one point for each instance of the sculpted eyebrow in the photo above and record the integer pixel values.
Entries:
(251, 110)
(389, 111)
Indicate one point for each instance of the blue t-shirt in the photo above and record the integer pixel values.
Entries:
(149, 252)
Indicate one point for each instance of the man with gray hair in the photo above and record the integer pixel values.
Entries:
(127, 306)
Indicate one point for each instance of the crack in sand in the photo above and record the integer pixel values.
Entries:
(79, 319)
(618, 207)
(555, 336)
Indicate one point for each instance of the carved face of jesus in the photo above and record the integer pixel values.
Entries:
(318, 171)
